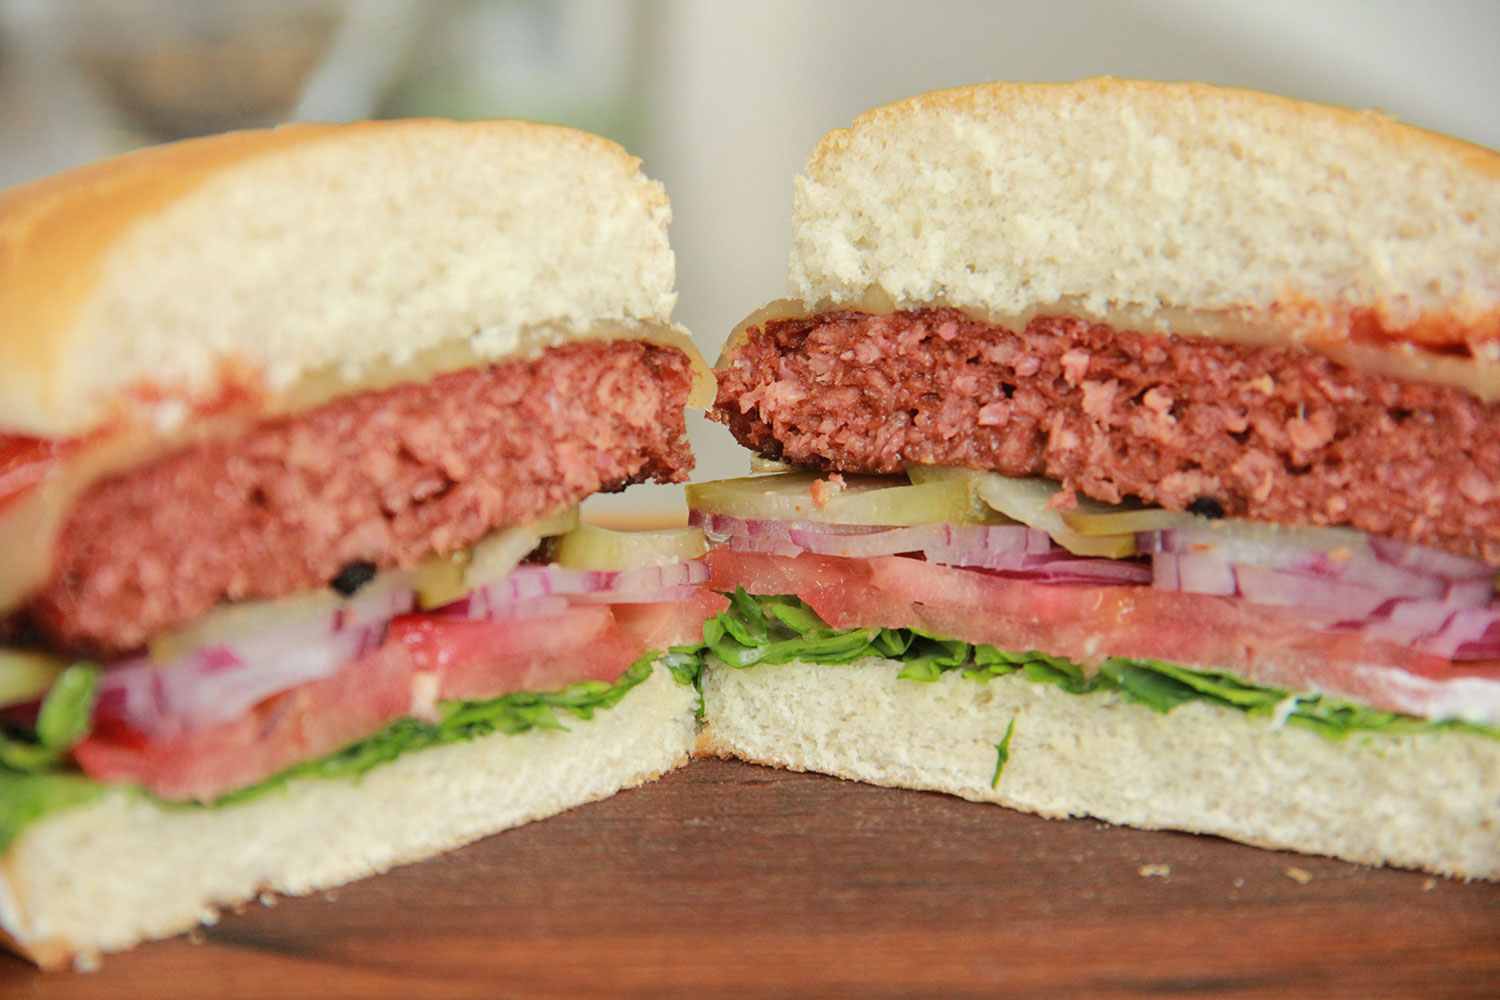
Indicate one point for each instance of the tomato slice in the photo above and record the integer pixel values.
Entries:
(308, 721)
(1089, 624)
(488, 659)
(670, 623)
(471, 660)
(27, 461)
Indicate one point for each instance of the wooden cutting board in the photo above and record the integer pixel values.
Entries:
(728, 880)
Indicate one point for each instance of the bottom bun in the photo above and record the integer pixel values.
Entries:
(1429, 801)
(122, 869)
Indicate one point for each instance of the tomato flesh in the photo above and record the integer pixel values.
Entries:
(470, 661)
(1088, 624)
(26, 461)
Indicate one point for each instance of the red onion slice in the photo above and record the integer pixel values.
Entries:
(218, 683)
(1350, 601)
(1430, 561)
(222, 680)
(545, 590)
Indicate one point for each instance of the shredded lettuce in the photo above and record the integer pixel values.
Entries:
(35, 779)
(1002, 753)
(779, 629)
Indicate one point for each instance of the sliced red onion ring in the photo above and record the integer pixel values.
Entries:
(1350, 601)
(1465, 630)
(1430, 561)
(536, 591)
(1394, 580)
(1432, 600)
(218, 683)
(221, 680)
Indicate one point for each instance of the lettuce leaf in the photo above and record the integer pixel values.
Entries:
(62, 721)
(779, 629)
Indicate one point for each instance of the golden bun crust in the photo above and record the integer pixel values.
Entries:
(1102, 197)
(272, 255)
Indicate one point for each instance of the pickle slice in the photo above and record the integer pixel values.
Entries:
(591, 547)
(1095, 528)
(1025, 500)
(1095, 518)
(887, 500)
(444, 580)
(25, 675)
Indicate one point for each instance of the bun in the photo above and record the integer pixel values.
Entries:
(1111, 198)
(1425, 801)
(275, 256)
(121, 869)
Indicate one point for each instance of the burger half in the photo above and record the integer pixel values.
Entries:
(1154, 446)
(293, 429)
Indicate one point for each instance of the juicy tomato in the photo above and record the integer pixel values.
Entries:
(308, 721)
(670, 623)
(470, 660)
(26, 461)
(1089, 624)
(487, 659)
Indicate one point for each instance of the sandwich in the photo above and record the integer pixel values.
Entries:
(294, 425)
(1140, 459)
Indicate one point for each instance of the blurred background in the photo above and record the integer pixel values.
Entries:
(722, 100)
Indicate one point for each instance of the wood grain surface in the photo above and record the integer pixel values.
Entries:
(726, 880)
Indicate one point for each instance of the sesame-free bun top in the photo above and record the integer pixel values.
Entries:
(1115, 197)
(316, 252)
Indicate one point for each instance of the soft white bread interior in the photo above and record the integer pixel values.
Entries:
(1114, 197)
(1429, 801)
(285, 253)
(104, 876)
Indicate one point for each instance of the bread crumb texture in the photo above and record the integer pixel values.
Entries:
(1427, 801)
(293, 250)
(1122, 194)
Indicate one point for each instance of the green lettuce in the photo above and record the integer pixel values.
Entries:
(36, 780)
(779, 629)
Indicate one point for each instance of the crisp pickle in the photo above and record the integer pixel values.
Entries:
(591, 547)
(888, 500)
(25, 675)
(491, 558)
(1025, 500)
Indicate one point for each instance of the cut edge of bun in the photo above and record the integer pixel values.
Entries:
(1414, 801)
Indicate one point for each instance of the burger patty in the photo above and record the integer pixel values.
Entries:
(1272, 434)
(388, 477)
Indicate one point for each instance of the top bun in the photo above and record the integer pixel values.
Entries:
(1109, 197)
(290, 253)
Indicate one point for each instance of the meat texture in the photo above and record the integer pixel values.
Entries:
(388, 477)
(1271, 434)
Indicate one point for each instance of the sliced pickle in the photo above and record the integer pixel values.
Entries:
(1095, 528)
(26, 675)
(888, 500)
(1025, 500)
(231, 621)
(760, 466)
(591, 547)
(1342, 541)
(560, 523)
(1095, 518)
(442, 581)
